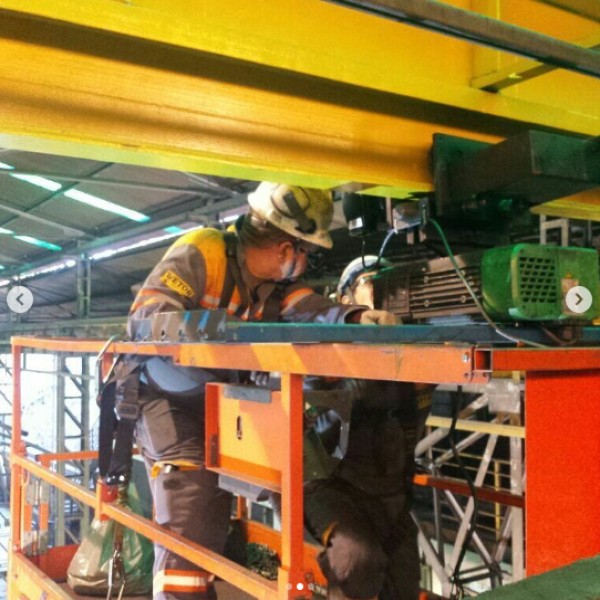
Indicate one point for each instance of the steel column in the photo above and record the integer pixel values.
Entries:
(562, 418)
(84, 286)
(291, 575)
(17, 449)
(85, 437)
(59, 498)
(516, 520)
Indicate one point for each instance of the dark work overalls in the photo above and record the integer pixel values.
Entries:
(361, 513)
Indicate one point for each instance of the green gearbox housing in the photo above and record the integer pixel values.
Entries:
(530, 282)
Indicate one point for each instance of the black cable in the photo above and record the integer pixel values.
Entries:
(389, 235)
(556, 339)
(362, 252)
(456, 580)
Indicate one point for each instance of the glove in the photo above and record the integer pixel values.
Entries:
(354, 562)
(378, 317)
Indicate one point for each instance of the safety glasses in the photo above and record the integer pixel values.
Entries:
(313, 252)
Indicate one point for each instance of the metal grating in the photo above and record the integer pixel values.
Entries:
(537, 280)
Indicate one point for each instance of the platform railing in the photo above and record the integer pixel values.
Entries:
(561, 441)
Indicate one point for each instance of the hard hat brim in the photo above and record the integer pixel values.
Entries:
(277, 218)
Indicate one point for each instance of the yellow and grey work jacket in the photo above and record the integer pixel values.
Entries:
(192, 275)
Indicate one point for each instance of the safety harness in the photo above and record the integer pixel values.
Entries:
(233, 277)
(119, 391)
(119, 409)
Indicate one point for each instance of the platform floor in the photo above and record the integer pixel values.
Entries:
(577, 581)
(225, 591)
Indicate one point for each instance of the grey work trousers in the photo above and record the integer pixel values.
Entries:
(186, 501)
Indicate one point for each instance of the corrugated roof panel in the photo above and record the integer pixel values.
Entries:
(135, 266)
(76, 214)
(142, 200)
(14, 253)
(53, 234)
(20, 194)
(148, 176)
(51, 163)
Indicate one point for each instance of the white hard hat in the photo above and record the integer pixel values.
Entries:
(359, 265)
(304, 213)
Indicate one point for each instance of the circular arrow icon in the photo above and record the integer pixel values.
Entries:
(19, 299)
(578, 299)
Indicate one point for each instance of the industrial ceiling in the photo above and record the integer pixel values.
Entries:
(75, 229)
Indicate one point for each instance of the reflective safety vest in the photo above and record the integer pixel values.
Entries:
(215, 253)
(211, 244)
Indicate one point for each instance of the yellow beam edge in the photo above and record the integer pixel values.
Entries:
(584, 206)
(524, 70)
(218, 129)
(320, 39)
(184, 111)
(589, 9)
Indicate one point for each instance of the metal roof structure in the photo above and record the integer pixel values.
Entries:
(81, 233)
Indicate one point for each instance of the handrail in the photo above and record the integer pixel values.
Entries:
(426, 363)
(442, 363)
(218, 565)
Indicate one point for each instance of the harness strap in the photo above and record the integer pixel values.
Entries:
(229, 283)
(118, 397)
(122, 455)
(233, 277)
(108, 425)
(272, 308)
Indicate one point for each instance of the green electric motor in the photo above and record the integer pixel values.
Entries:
(541, 283)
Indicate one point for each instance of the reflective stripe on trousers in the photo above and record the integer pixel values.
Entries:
(182, 582)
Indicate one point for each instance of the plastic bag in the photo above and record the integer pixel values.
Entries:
(88, 573)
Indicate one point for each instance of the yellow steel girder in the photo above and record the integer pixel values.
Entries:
(585, 8)
(298, 90)
(584, 206)
(495, 70)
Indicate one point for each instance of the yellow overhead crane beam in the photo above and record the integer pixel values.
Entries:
(585, 8)
(584, 206)
(294, 90)
(518, 72)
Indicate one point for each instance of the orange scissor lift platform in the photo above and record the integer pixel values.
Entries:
(260, 442)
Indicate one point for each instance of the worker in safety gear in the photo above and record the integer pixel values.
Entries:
(254, 274)
(360, 512)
